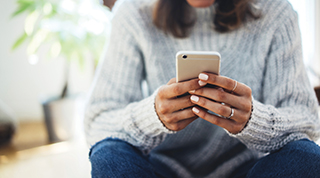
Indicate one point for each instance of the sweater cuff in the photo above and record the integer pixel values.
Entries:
(144, 120)
(265, 130)
(259, 128)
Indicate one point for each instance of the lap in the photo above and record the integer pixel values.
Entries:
(116, 158)
(297, 159)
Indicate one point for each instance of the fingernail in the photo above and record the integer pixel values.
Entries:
(192, 91)
(203, 76)
(194, 98)
(196, 110)
(201, 83)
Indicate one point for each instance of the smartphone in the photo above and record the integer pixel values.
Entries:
(189, 64)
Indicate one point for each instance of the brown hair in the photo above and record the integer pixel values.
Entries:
(177, 17)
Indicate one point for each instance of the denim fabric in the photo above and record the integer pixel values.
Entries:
(299, 159)
(115, 158)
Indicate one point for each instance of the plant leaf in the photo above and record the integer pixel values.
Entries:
(19, 41)
(25, 1)
(36, 41)
(23, 7)
(30, 22)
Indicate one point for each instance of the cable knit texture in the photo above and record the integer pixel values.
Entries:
(264, 54)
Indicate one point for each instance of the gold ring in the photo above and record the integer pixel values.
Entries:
(235, 86)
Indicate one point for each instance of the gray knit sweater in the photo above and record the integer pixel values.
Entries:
(264, 54)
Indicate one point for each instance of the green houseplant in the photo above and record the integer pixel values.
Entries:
(72, 29)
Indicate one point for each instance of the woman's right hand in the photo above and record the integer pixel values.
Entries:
(173, 111)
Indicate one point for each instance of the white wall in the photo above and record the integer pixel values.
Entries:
(309, 21)
(22, 84)
(317, 40)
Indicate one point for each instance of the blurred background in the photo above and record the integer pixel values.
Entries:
(48, 54)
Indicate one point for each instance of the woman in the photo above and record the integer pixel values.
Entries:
(269, 106)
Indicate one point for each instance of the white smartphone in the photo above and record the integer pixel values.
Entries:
(189, 64)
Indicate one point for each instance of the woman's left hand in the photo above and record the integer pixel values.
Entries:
(231, 100)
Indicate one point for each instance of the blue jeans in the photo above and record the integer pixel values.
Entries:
(118, 159)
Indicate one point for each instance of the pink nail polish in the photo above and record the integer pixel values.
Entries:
(203, 76)
(201, 83)
(194, 109)
(192, 91)
(194, 98)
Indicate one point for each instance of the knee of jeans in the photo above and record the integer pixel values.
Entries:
(305, 150)
(305, 146)
(296, 159)
(109, 151)
(108, 147)
(117, 158)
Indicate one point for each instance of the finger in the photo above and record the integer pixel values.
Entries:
(183, 114)
(171, 81)
(177, 104)
(225, 111)
(182, 102)
(226, 83)
(215, 107)
(177, 89)
(188, 121)
(182, 124)
(178, 117)
(219, 95)
(219, 121)
(228, 124)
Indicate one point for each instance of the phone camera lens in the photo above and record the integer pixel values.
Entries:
(184, 56)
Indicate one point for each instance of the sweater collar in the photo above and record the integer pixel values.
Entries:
(205, 15)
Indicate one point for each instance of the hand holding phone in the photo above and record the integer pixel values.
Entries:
(173, 108)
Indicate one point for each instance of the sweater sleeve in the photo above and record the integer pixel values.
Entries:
(288, 110)
(116, 107)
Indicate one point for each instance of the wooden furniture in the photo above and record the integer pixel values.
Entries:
(317, 90)
(109, 3)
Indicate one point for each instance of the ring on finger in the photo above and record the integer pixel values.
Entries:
(231, 114)
(235, 86)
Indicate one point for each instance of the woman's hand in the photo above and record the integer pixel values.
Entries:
(231, 99)
(174, 110)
